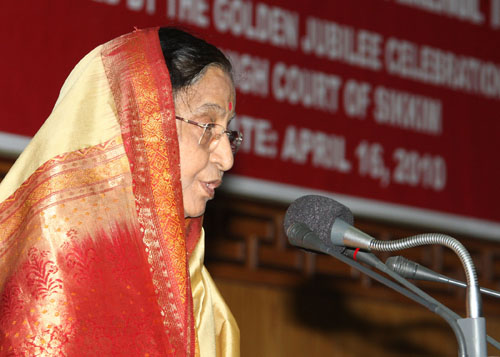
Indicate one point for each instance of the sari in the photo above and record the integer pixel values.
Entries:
(96, 257)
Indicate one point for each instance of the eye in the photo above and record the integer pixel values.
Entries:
(209, 128)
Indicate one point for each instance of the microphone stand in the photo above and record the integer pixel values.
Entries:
(438, 308)
(474, 326)
(373, 261)
(301, 236)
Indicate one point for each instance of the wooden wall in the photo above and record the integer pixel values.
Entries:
(292, 303)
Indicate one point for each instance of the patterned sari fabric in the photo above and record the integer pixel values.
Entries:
(94, 247)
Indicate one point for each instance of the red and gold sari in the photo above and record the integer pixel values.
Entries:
(96, 257)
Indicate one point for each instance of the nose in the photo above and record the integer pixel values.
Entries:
(222, 155)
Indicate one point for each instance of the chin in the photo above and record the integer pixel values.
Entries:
(194, 215)
(193, 212)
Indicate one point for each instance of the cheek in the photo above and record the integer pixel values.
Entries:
(193, 197)
(193, 160)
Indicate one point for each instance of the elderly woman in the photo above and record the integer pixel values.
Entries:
(101, 246)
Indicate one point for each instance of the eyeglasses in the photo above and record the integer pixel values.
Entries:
(212, 133)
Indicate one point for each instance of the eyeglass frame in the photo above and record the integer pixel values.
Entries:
(238, 135)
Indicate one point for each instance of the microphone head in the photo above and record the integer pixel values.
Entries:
(318, 213)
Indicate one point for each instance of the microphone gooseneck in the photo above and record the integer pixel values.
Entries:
(474, 295)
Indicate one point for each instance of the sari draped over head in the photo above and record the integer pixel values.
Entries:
(96, 257)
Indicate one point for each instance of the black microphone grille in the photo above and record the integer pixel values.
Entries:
(318, 213)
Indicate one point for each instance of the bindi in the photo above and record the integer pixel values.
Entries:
(230, 106)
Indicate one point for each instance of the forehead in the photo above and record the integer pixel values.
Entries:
(212, 92)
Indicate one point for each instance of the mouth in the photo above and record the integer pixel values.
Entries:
(210, 187)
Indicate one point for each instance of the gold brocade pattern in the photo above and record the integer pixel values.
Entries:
(152, 148)
(66, 251)
(59, 180)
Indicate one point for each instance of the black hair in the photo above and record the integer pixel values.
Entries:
(187, 57)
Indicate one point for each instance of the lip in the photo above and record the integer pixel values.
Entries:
(210, 186)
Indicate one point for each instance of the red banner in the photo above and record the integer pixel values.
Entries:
(396, 101)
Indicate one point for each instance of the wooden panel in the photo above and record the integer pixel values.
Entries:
(314, 321)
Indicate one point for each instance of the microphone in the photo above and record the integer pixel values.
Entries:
(412, 270)
(331, 220)
(318, 214)
(301, 236)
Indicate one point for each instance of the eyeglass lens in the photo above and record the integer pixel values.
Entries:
(213, 133)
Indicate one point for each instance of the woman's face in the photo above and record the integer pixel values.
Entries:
(209, 100)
